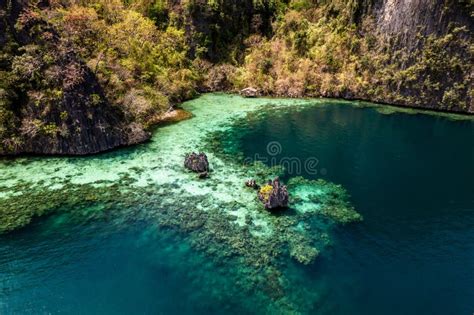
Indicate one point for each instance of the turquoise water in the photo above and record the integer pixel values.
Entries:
(131, 232)
(412, 178)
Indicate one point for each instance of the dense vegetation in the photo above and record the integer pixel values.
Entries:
(315, 54)
(107, 70)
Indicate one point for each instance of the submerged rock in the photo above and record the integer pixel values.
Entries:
(203, 175)
(274, 195)
(249, 92)
(197, 162)
(252, 184)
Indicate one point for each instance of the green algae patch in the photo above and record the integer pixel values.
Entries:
(324, 198)
(85, 202)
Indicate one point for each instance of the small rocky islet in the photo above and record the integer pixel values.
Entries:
(198, 163)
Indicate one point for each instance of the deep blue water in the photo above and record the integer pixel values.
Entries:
(412, 178)
(95, 268)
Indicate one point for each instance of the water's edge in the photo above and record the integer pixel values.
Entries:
(384, 108)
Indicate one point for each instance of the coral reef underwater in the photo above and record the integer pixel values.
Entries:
(219, 217)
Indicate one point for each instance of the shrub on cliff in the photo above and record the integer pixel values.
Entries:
(130, 55)
(53, 101)
(333, 50)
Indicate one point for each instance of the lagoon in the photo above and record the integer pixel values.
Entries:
(382, 222)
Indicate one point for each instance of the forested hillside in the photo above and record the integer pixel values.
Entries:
(80, 77)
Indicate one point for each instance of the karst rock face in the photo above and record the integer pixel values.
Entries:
(412, 17)
(62, 108)
(441, 29)
(274, 195)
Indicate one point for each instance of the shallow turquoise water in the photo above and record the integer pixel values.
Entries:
(145, 248)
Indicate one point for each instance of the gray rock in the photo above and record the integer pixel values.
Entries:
(249, 92)
(197, 162)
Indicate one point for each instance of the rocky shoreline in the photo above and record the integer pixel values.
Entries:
(61, 93)
(177, 115)
(349, 96)
(105, 142)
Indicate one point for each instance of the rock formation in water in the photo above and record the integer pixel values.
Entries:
(251, 183)
(249, 92)
(273, 195)
(198, 163)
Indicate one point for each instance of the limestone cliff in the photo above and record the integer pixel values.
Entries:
(51, 102)
(434, 38)
(414, 53)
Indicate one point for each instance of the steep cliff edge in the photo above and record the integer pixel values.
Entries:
(414, 53)
(409, 18)
(51, 101)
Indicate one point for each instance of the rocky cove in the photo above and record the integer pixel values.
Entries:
(262, 257)
(81, 78)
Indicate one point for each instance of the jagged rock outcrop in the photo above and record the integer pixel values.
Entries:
(198, 163)
(273, 195)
